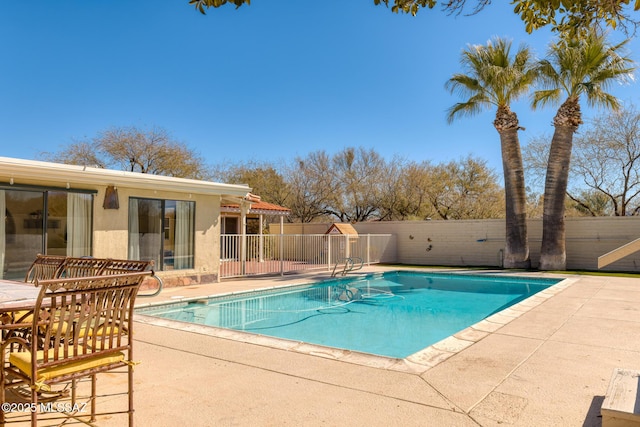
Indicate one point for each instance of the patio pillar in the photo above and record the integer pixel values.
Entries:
(261, 241)
(281, 245)
(244, 209)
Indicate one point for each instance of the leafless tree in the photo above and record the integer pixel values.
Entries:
(605, 165)
(151, 151)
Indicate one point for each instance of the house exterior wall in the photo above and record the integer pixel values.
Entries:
(481, 242)
(110, 227)
(110, 233)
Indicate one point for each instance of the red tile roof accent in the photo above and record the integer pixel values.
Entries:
(262, 206)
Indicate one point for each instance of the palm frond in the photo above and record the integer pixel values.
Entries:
(542, 98)
(463, 85)
(596, 97)
(492, 76)
(470, 108)
(583, 67)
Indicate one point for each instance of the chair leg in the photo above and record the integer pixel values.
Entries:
(74, 384)
(130, 393)
(93, 397)
(34, 412)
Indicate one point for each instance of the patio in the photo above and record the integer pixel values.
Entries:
(549, 366)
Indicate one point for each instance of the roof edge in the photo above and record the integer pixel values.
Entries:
(27, 169)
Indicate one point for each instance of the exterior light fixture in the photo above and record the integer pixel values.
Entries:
(111, 198)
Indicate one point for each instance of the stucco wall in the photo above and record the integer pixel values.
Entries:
(110, 229)
(110, 233)
(481, 242)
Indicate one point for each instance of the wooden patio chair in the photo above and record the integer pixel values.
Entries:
(44, 267)
(82, 266)
(83, 327)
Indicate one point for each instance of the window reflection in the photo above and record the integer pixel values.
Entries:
(162, 230)
(47, 222)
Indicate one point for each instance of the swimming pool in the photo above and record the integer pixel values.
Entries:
(393, 314)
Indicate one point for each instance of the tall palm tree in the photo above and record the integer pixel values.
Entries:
(495, 78)
(573, 68)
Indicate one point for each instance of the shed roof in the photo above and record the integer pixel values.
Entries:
(342, 228)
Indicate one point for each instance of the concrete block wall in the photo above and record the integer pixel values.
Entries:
(481, 242)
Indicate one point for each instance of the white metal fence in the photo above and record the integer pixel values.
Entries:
(255, 254)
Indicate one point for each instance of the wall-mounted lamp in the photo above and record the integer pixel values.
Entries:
(11, 181)
(68, 186)
(111, 198)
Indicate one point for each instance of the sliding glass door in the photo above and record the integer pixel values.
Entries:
(162, 231)
(42, 221)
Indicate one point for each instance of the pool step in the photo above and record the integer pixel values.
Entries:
(621, 405)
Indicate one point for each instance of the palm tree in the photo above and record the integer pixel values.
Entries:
(495, 79)
(573, 68)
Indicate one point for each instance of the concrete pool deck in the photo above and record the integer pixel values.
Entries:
(548, 366)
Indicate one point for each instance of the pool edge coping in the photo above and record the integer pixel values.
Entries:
(416, 363)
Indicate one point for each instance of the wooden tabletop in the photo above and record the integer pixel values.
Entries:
(16, 295)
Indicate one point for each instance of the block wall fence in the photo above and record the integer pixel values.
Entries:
(478, 243)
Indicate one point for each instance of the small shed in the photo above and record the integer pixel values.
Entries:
(345, 245)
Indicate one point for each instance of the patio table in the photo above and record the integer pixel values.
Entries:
(15, 296)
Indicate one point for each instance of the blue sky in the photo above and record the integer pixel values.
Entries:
(270, 81)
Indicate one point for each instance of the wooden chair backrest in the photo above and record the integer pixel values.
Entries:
(116, 266)
(84, 317)
(44, 267)
(82, 267)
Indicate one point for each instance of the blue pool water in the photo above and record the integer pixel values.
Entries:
(393, 314)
